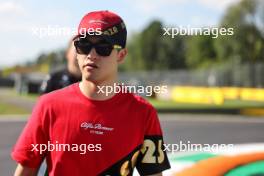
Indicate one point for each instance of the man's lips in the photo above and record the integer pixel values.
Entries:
(91, 65)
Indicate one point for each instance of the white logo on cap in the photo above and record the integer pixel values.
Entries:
(97, 21)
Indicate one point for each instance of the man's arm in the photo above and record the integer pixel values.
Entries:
(25, 171)
(152, 158)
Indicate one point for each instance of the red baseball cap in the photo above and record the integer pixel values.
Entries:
(106, 24)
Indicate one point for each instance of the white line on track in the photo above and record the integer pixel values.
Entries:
(210, 118)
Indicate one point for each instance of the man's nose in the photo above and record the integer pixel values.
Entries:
(92, 55)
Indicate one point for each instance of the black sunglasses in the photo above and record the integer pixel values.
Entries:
(84, 47)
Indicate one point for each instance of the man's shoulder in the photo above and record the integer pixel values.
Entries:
(59, 94)
(140, 101)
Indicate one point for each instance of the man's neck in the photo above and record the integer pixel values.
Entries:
(92, 90)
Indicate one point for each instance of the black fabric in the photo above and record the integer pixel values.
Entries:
(118, 38)
(124, 166)
(58, 80)
(152, 158)
(115, 35)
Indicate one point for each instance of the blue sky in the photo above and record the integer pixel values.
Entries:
(18, 18)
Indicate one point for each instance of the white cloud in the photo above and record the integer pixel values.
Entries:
(11, 8)
(198, 21)
(147, 6)
(217, 5)
(20, 42)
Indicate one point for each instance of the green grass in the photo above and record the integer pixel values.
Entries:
(230, 104)
(30, 96)
(254, 168)
(11, 109)
(193, 157)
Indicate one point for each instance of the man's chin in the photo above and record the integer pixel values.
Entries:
(91, 78)
(95, 78)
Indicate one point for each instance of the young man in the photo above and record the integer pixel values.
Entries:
(118, 131)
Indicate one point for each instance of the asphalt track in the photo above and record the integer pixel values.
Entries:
(198, 129)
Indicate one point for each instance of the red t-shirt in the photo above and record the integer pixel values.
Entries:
(92, 137)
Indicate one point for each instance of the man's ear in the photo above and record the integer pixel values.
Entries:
(121, 55)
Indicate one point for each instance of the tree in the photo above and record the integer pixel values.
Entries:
(134, 60)
(150, 43)
(247, 43)
(200, 51)
(151, 50)
(173, 52)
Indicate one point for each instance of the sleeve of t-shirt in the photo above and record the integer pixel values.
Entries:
(27, 148)
(152, 158)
